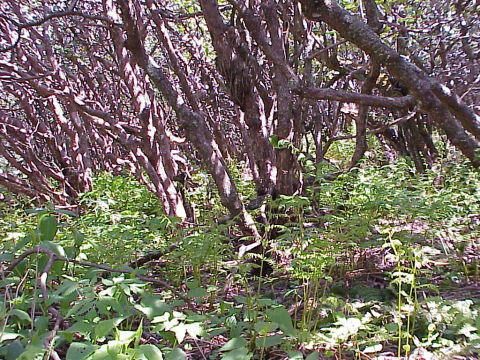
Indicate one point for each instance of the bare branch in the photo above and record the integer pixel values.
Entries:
(59, 14)
(350, 97)
(380, 129)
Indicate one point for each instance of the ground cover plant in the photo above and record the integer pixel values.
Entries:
(386, 267)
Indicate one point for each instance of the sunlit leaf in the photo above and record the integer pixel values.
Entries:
(48, 228)
(80, 350)
(149, 352)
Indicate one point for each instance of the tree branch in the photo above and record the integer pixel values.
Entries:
(58, 14)
(357, 98)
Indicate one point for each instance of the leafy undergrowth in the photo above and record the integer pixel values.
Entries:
(378, 264)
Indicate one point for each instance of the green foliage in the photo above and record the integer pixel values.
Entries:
(380, 220)
(122, 220)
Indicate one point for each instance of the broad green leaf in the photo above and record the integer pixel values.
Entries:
(125, 336)
(79, 238)
(177, 354)
(22, 315)
(80, 350)
(152, 306)
(104, 327)
(263, 327)
(241, 299)
(36, 211)
(391, 327)
(67, 288)
(281, 316)
(269, 341)
(313, 356)
(273, 140)
(32, 351)
(197, 292)
(66, 212)
(237, 354)
(148, 352)
(7, 257)
(82, 306)
(234, 343)
(14, 350)
(42, 323)
(56, 248)
(109, 302)
(83, 328)
(264, 302)
(47, 228)
(25, 240)
(104, 352)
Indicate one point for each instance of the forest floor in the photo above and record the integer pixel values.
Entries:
(377, 265)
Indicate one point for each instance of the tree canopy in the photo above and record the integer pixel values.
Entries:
(153, 88)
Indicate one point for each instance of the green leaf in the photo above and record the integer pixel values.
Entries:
(152, 306)
(32, 351)
(47, 228)
(82, 306)
(22, 315)
(237, 354)
(36, 211)
(41, 323)
(83, 328)
(264, 302)
(25, 240)
(391, 327)
(197, 292)
(273, 140)
(7, 257)
(14, 350)
(148, 352)
(138, 334)
(80, 350)
(234, 343)
(79, 238)
(281, 316)
(108, 301)
(313, 356)
(125, 336)
(177, 354)
(104, 327)
(263, 327)
(65, 212)
(56, 248)
(269, 341)
(106, 352)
